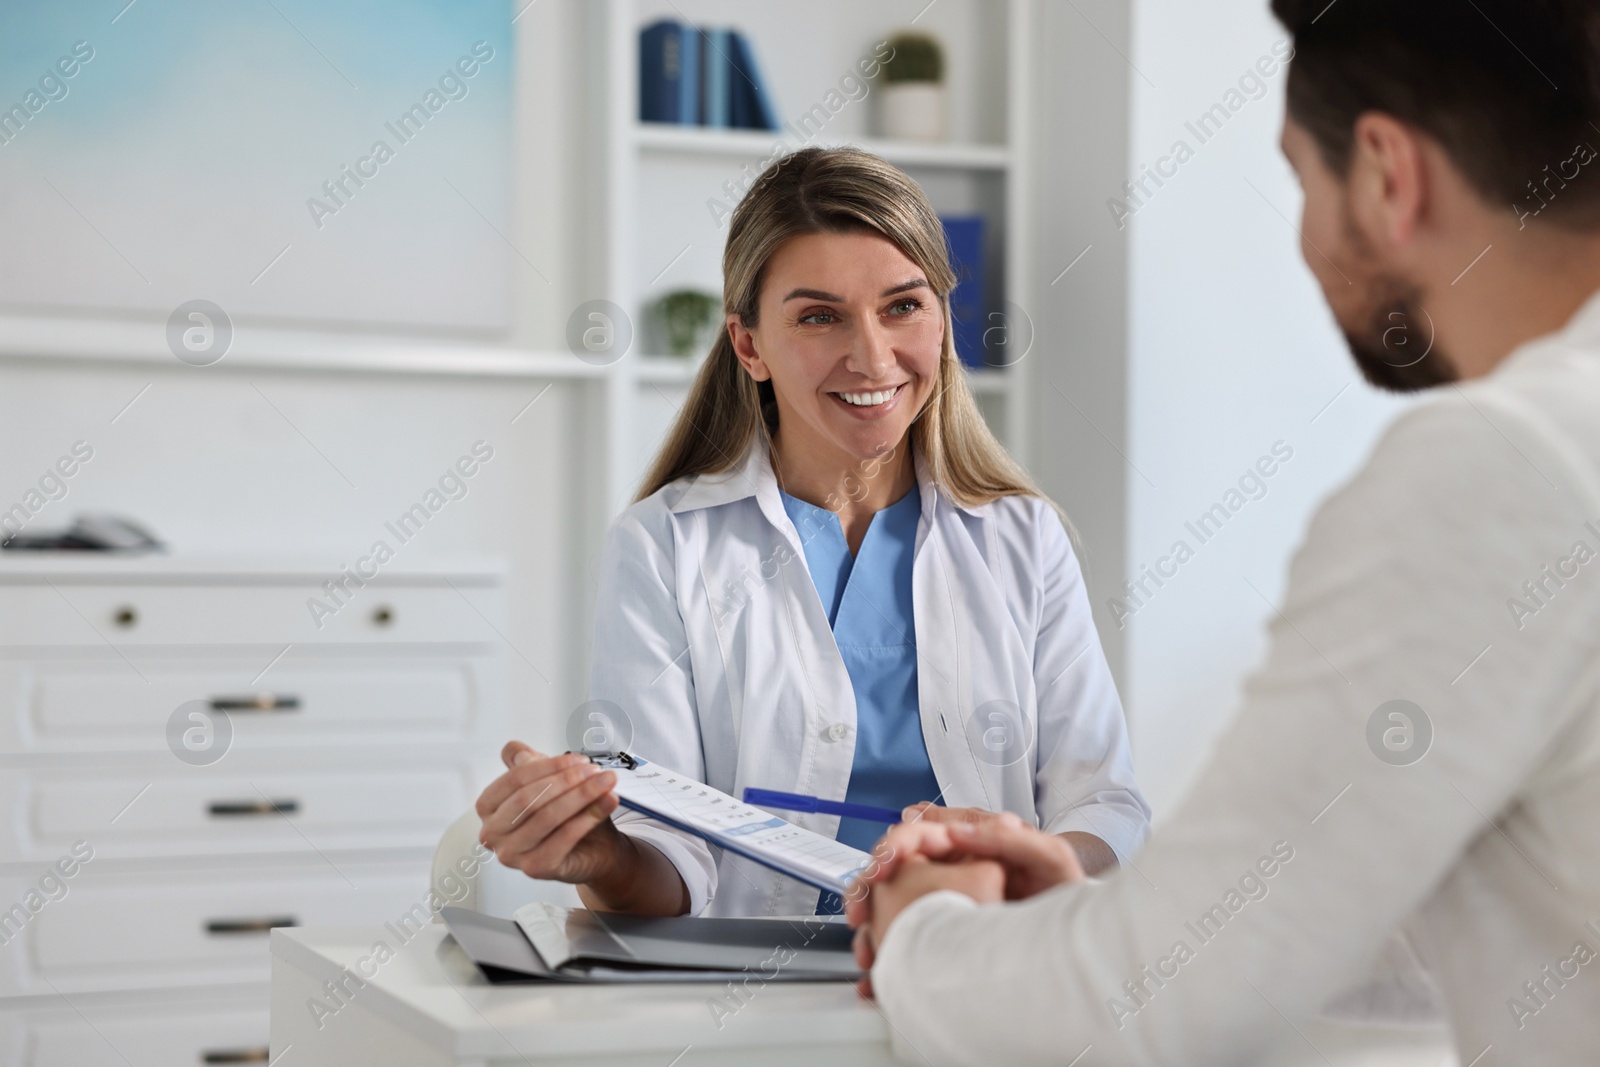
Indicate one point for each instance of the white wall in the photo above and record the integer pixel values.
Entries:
(1231, 349)
(1080, 138)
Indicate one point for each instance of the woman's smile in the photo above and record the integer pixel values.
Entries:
(868, 404)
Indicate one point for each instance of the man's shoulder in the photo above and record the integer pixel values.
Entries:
(1538, 417)
(1509, 462)
(1551, 389)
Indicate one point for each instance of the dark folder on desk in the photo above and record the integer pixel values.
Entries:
(552, 943)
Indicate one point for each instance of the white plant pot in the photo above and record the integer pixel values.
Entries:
(913, 111)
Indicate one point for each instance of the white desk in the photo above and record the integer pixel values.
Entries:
(429, 1006)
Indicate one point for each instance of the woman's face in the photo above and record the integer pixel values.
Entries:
(849, 335)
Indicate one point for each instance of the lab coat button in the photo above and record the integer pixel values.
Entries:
(838, 732)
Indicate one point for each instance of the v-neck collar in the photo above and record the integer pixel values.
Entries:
(836, 573)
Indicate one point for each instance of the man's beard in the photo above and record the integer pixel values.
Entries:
(1394, 347)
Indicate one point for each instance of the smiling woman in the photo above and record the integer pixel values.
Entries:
(834, 581)
(829, 216)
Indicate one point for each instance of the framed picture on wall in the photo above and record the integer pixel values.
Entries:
(292, 161)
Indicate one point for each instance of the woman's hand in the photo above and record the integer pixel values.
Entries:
(550, 817)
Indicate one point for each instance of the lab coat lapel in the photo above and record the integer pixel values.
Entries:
(823, 762)
(944, 653)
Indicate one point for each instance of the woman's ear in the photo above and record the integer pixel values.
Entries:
(744, 346)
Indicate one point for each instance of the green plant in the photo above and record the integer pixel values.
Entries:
(917, 57)
(684, 315)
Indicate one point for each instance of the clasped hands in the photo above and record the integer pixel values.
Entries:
(988, 857)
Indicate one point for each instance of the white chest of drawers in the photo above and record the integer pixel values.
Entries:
(309, 789)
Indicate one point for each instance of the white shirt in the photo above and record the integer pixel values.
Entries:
(1485, 854)
(711, 638)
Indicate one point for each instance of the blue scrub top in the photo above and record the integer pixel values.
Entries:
(867, 599)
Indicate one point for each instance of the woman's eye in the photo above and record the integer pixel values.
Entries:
(820, 318)
(905, 307)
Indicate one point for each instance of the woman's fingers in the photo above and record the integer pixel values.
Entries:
(549, 857)
(532, 814)
(540, 845)
(534, 769)
(519, 803)
(516, 752)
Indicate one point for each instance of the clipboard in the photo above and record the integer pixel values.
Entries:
(692, 806)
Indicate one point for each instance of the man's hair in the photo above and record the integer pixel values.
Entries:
(1506, 87)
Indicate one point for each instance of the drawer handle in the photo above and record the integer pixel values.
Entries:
(227, 927)
(226, 809)
(262, 1054)
(250, 702)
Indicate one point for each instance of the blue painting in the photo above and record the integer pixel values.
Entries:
(294, 161)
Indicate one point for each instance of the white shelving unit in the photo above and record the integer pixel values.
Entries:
(656, 177)
(123, 342)
(652, 137)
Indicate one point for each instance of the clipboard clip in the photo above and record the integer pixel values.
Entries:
(613, 760)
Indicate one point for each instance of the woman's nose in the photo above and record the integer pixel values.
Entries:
(871, 355)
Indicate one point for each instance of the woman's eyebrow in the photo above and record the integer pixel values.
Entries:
(813, 294)
(818, 294)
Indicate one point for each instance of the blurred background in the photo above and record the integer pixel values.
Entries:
(282, 282)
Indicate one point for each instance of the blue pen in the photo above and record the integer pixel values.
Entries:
(769, 798)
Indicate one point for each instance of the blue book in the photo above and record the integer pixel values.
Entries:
(689, 83)
(669, 73)
(741, 97)
(660, 67)
(716, 69)
(752, 103)
(964, 233)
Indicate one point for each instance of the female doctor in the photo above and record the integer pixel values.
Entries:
(834, 581)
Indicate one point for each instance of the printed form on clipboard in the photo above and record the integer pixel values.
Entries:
(697, 808)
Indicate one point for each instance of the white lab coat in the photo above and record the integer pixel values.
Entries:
(711, 638)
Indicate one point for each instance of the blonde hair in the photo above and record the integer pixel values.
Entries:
(833, 190)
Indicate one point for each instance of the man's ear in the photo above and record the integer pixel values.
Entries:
(1389, 186)
(744, 346)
